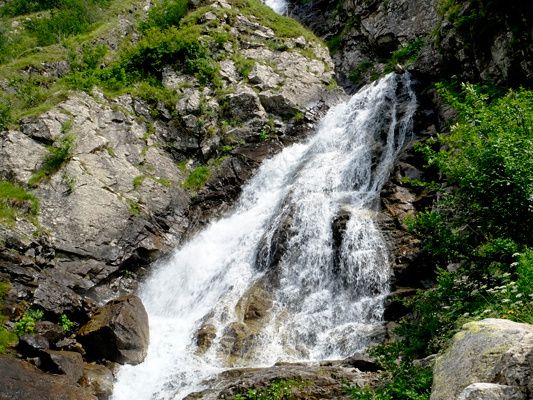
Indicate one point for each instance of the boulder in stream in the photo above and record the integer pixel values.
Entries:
(117, 332)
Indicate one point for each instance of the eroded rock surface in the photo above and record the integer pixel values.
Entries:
(117, 332)
(489, 351)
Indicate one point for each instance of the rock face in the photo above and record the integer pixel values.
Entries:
(364, 35)
(489, 351)
(21, 380)
(325, 381)
(117, 332)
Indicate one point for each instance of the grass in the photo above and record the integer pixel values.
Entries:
(278, 389)
(57, 156)
(405, 55)
(15, 202)
(197, 178)
(7, 338)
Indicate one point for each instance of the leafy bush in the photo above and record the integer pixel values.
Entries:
(27, 323)
(401, 380)
(165, 13)
(404, 55)
(57, 156)
(66, 323)
(67, 17)
(479, 231)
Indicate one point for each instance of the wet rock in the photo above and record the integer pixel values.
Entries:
(70, 344)
(117, 332)
(205, 336)
(52, 332)
(32, 345)
(492, 351)
(21, 380)
(98, 380)
(63, 362)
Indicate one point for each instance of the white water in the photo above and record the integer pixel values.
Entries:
(279, 6)
(327, 299)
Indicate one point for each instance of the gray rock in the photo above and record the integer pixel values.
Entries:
(490, 391)
(492, 351)
(52, 332)
(244, 104)
(117, 332)
(21, 380)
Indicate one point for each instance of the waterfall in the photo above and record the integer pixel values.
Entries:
(279, 6)
(297, 271)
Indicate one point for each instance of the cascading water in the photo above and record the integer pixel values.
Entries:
(303, 231)
(279, 6)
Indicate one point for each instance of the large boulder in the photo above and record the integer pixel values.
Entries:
(117, 332)
(488, 351)
(21, 380)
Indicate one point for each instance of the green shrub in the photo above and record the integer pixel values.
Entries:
(405, 55)
(66, 323)
(5, 114)
(165, 13)
(27, 323)
(69, 17)
(401, 379)
(197, 178)
(479, 230)
(57, 156)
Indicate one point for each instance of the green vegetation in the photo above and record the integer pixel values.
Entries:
(15, 202)
(405, 55)
(279, 389)
(27, 323)
(483, 226)
(401, 380)
(360, 70)
(65, 323)
(57, 156)
(7, 338)
(138, 181)
(197, 178)
(477, 235)
(165, 13)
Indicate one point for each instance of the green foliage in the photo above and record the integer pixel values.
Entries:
(197, 178)
(7, 338)
(15, 201)
(5, 114)
(334, 43)
(279, 389)
(165, 13)
(244, 65)
(66, 323)
(405, 55)
(138, 181)
(478, 233)
(66, 18)
(402, 380)
(360, 70)
(57, 156)
(27, 323)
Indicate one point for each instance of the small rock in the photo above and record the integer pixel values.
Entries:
(362, 362)
(52, 332)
